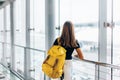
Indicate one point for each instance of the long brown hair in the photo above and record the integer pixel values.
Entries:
(67, 37)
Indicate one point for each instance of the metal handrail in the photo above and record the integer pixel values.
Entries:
(24, 47)
(99, 63)
(84, 60)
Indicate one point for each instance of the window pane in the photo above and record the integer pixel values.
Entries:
(85, 22)
(20, 26)
(37, 24)
(1, 24)
(116, 39)
(7, 26)
(19, 34)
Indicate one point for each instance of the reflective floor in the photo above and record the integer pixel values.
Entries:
(5, 74)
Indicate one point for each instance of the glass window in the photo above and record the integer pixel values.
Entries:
(112, 33)
(37, 36)
(1, 24)
(19, 19)
(7, 25)
(37, 24)
(19, 33)
(84, 15)
(116, 31)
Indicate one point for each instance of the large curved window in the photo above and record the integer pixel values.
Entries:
(84, 15)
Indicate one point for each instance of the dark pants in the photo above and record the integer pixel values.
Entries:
(62, 77)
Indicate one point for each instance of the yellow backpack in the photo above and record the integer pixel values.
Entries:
(53, 64)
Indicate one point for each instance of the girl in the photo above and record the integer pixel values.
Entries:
(68, 41)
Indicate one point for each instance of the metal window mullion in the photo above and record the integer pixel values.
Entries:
(4, 38)
(112, 38)
(27, 59)
(96, 72)
(102, 55)
(26, 64)
(49, 24)
(12, 57)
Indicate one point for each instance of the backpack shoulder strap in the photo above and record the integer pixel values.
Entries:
(58, 40)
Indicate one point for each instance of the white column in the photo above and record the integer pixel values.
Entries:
(27, 60)
(12, 57)
(49, 24)
(102, 55)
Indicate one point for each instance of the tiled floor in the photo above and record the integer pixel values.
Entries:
(5, 74)
(2, 76)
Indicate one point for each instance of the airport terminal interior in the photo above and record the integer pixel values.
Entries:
(28, 29)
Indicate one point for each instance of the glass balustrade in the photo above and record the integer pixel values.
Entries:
(82, 69)
(88, 70)
(37, 58)
(19, 59)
